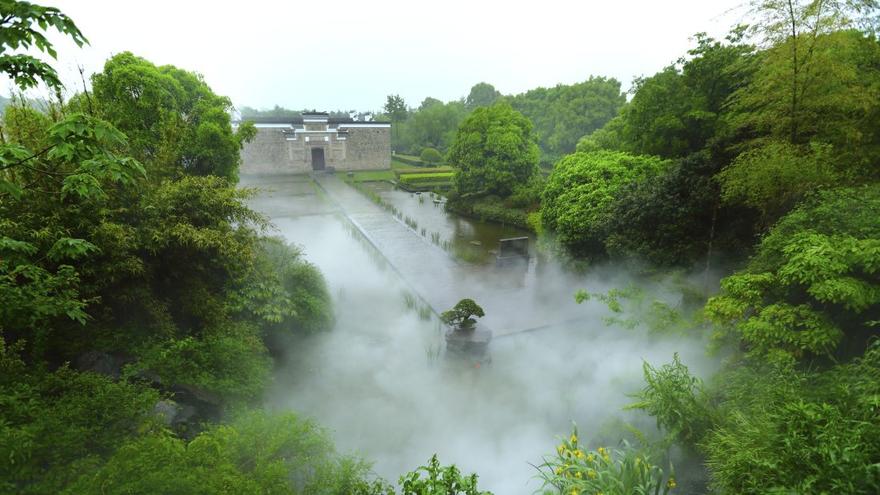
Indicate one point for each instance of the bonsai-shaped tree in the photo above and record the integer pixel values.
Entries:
(461, 314)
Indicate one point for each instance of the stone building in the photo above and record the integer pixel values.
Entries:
(316, 141)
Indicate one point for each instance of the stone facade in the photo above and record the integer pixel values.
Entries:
(316, 142)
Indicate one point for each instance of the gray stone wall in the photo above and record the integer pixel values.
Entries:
(269, 153)
(369, 148)
(272, 152)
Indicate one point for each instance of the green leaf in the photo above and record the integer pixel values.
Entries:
(70, 248)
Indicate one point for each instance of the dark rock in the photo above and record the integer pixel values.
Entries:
(192, 394)
(183, 418)
(102, 363)
(166, 410)
(197, 403)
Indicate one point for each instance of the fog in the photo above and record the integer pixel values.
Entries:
(379, 381)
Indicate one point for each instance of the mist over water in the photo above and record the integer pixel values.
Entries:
(380, 382)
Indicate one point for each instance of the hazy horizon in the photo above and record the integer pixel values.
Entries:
(355, 54)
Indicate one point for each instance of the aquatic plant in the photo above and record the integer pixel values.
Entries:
(621, 471)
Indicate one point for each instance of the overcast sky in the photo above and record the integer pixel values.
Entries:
(342, 54)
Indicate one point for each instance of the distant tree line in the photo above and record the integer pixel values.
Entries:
(560, 115)
(249, 113)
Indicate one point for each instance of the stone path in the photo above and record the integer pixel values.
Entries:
(514, 298)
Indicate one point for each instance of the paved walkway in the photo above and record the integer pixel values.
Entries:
(514, 298)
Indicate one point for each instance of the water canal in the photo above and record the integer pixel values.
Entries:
(379, 382)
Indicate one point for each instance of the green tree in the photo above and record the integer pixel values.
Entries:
(578, 197)
(428, 101)
(812, 284)
(675, 217)
(396, 108)
(493, 152)
(54, 426)
(798, 30)
(175, 124)
(255, 453)
(433, 126)
(815, 86)
(461, 315)
(769, 429)
(481, 95)
(773, 177)
(23, 26)
(677, 111)
(563, 114)
(801, 431)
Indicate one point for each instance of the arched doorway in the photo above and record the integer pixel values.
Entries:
(317, 158)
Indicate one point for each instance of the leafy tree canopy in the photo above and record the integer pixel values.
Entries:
(481, 95)
(493, 152)
(23, 26)
(461, 315)
(578, 196)
(175, 124)
(563, 114)
(813, 282)
(433, 126)
(675, 217)
(396, 108)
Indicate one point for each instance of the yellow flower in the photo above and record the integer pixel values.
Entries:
(671, 483)
(573, 439)
(578, 454)
(574, 491)
(558, 471)
(591, 474)
(590, 458)
(601, 450)
(560, 449)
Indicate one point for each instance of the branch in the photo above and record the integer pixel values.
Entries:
(23, 160)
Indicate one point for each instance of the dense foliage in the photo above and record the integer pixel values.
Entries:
(563, 114)
(771, 142)
(614, 471)
(144, 306)
(676, 217)
(493, 152)
(577, 199)
(171, 117)
(560, 116)
(140, 292)
(814, 280)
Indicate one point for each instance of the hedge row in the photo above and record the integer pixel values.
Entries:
(414, 179)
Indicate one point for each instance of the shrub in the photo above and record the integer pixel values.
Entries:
(418, 179)
(788, 431)
(439, 481)
(431, 155)
(256, 453)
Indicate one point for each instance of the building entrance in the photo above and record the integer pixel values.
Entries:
(317, 158)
